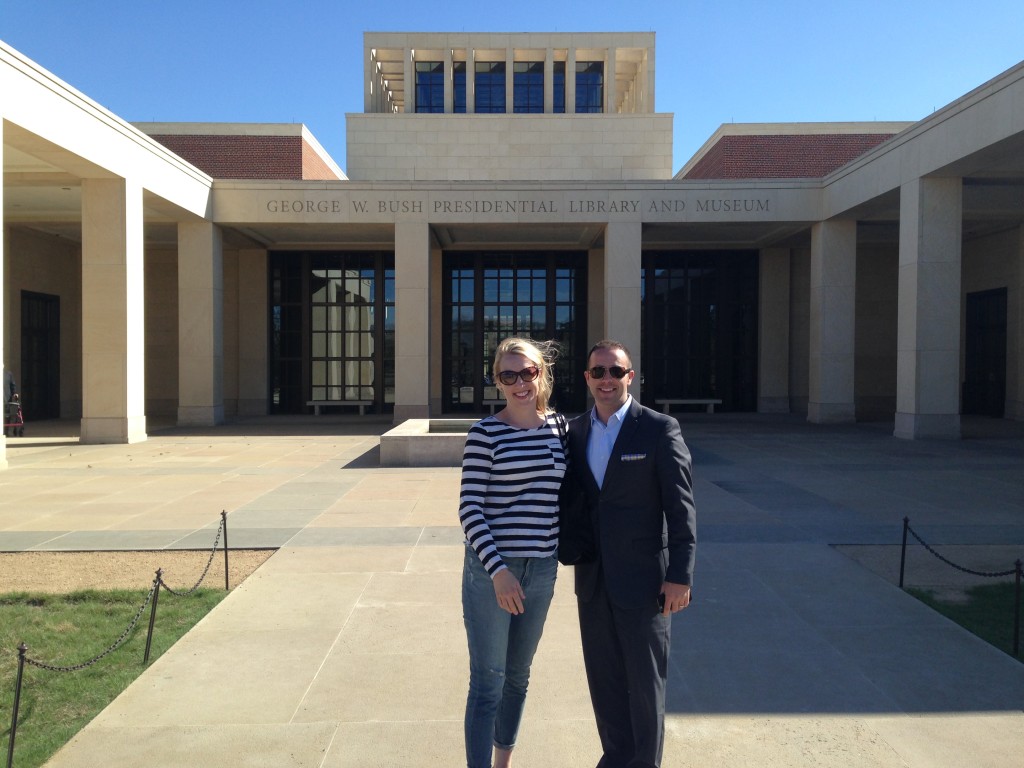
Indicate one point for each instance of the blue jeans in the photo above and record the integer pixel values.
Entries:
(501, 648)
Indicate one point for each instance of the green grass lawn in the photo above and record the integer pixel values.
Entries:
(987, 613)
(67, 630)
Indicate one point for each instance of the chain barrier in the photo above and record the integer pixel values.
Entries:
(113, 647)
(988, 574)
(213, 552)
(1016, 572)
(151, 599)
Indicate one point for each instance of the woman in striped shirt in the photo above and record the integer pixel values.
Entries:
(511, 472)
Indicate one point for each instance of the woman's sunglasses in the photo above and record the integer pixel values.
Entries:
(508, 378)
(617, 371)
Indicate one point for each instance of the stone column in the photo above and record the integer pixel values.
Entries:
(928, 324)
(509, 81)
(570, 81)
(773, 332)
(200, 324)
(470, 81)
(412, 326)
(833, 304)
(3, 288)
(113, 312)
(1015, 343)
(609, 82)
(253, 316)
(449, 82)
(622, 248)
(409, 73)
(549, 81)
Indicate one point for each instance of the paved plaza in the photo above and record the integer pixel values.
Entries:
(346, 648)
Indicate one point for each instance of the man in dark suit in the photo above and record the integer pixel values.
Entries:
(633, 469)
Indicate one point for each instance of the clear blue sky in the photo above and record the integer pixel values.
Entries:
(717, 61)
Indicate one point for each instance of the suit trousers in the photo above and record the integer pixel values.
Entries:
(625, 652)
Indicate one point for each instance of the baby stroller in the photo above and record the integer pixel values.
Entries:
(14, 421)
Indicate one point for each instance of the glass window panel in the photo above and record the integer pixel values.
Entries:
(558, 86)
(318, 318)
(459, 86)
(319, 344)
(319, 373)
(540, 285)
(319, 393)
(335, 318)
(589, 86)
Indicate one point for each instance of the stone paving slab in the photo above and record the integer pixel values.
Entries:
(346, 648)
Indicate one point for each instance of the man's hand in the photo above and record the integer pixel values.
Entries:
(509, 592)
(677, 597)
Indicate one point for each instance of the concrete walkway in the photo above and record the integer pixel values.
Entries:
(346, 649)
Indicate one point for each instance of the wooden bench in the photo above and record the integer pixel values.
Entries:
(318, 404)
(492, 404)
(667, 403)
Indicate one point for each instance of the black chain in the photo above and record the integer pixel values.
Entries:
(216, 542)
(157, 583)
(117, 643)
(994, 575)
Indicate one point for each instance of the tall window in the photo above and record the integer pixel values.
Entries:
(492, 295)
(430, 86)
(332, 329)
(699, 326)
(490, 87)
(558, 86)
(589, 86)
(528, 86)
(459, 87)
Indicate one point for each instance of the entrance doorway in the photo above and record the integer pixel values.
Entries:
(984, 391)
(489, 296)
(40, 356)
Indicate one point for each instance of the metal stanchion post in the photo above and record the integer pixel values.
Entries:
(1016, 610)
(903, 553)
(152, 613)
(224, 523)
(17, 701)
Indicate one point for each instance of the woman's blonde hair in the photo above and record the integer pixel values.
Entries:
(541, 353)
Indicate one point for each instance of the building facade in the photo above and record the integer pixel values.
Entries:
(503, 184)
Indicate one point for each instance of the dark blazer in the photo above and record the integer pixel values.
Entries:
(644, 518)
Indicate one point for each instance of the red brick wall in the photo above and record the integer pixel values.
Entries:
(240, 157)
(313, 166)
(782, 157)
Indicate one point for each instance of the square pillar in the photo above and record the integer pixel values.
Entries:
(200, 324)
(409, 73)
(833, 313)
(928, 317)
(510, 77)
(570, 81)
(773, 331)
(623, 243)
(412, 326)
(253, 350)
(549, 81)
(470, 81)
(113, 312)
(610, 96)
(3, 288)
(1015, 341)
(449, 82)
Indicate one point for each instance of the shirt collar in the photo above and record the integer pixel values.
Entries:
(619, 415)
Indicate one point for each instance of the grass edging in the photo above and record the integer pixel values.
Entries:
(70, 629)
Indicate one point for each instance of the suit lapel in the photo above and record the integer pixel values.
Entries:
(624, 438)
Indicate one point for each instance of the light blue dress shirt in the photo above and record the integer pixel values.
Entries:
(602, 440)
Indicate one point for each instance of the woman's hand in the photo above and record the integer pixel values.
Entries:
(509, 592)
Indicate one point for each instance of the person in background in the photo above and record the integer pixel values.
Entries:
(635, 474)
(512, 469)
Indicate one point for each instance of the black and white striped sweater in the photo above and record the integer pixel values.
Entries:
(508, 504)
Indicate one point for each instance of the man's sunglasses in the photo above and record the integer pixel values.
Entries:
(617, 371)
(508, 378)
